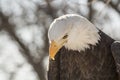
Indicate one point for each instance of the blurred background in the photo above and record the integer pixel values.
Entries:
(24, 26)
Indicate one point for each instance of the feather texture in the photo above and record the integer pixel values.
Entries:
(96, 63)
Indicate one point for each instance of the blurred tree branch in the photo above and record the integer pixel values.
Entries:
(5, 25)
(114, 6)
(10, 28)
(48, 9)
(51, 10)
(91, 12)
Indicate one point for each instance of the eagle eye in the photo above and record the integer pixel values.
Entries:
(64, 37)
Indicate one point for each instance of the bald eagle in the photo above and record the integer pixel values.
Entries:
(80, 51)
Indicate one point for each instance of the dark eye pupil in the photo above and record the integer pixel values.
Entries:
(64, 37)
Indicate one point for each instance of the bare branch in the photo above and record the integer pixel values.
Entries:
(90, 10)
(114, 6)
(24, 49)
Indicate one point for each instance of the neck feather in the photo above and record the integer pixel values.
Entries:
(81, 36)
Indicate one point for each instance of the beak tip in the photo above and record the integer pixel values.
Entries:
(52, 58)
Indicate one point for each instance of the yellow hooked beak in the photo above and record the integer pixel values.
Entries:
(55, 47)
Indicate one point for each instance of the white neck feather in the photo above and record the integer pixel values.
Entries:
(82, 35)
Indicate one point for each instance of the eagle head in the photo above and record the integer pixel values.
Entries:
(72, 31)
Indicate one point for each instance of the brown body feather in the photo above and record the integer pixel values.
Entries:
(96, 63)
